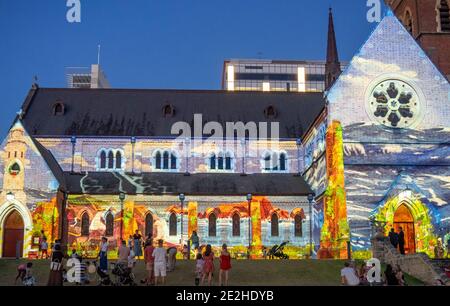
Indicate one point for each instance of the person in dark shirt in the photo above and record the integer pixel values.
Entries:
(390, 279)
(393, 238)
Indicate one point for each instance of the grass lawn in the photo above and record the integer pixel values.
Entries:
(252, 273)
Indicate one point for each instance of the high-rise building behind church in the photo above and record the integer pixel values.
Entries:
(428, 21)
(85, 77)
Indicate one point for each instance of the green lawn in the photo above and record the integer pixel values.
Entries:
(253, 273)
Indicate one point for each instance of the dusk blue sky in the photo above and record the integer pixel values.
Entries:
(163, 43)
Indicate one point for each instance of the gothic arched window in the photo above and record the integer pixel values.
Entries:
(274, 225)
(212, 225)
(102, 160)
(444, 15)
(110, 160)
(85, 224)
(149, 225)
(166, 160)
(109, 222)
(173, 224)
(228, 159)
(283, 162)
(118, 160)
(236, 225)
(298, 221)
(173, 161)
(212, 162)
(158, 161)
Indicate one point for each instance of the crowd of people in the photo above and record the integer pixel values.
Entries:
(352, 276)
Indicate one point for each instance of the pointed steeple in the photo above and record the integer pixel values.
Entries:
(333, 66)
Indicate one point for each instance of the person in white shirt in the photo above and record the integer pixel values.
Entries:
(131, 259)
(159, 254)
(348, 275)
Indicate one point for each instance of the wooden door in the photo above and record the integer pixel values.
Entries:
(13, 232)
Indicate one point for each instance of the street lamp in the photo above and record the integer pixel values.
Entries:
(121, 198)
(249, 200)
(310, 200)
(10, 196)
(73, 141)
(299, 144)
(182, 197)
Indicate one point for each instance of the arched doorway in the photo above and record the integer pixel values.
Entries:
(13, 235)
(404, 219)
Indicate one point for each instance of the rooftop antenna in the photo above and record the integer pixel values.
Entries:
(98, 54)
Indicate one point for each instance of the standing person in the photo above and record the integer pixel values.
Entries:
(149, 262)
(21, 272)
(390, 279)
(195, 241)
(393, 238)
(131, 259)
(137, 240)
(103, 255)
(29, 279)
(130, 241)
(172, 258)
(363, 270)
(148, 240)
(123, 253)
(199, 267)
(225, 264)
(41, 239)
(44, 248)
(159, 255)
(348, 276)
(56, 271)
(439, 249)
(401, 241)
(208, 269)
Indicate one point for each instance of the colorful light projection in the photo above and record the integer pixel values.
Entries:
(425, 239)
(335, 229)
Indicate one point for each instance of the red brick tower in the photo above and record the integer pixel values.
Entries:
(429, 23)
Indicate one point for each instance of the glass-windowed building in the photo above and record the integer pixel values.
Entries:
(274, 75)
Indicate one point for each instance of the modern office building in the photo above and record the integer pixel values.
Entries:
(85, 77)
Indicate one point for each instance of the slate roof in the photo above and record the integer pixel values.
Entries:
(139, 112)
(104, 183)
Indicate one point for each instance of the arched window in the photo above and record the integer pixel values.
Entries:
(85, 224)
(58, 109)
(158, 160)
(283, 162)
(444, 15)
(110, 160)
(298, 221)
(102, 160)
(118, 160)
(236, 225)
(173, 224)
(109, 221)
(274, 225)
(267, 163)
(212, 225)
(149, 225)
(408, 22)
(228, 159)
(220, 161)
(212, 162)
(173, 161)
(166, 160)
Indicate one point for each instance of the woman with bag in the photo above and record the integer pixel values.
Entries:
(56, 272)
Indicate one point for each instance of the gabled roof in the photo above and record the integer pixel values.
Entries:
(155, 183)
(139, 112)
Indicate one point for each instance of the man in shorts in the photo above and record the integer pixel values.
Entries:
(159, 254)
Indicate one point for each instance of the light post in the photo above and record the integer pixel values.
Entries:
(310, 200)
(299, 144)
(73, 141)
(121, 198)
(182, 197)
(249, 200)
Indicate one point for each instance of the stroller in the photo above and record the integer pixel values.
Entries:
(104, 279)
(277, 251)
(124, 275)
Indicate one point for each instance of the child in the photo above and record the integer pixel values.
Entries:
(199, 265)
(29, 280)
(44, 248)
(225, 264)
(131, 259)
(21, 272)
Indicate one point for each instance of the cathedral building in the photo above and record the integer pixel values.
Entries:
(317, 169)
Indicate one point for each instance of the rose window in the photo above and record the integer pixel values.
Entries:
(394, 103)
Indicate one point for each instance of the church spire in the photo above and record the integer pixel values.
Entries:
(333, 66)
